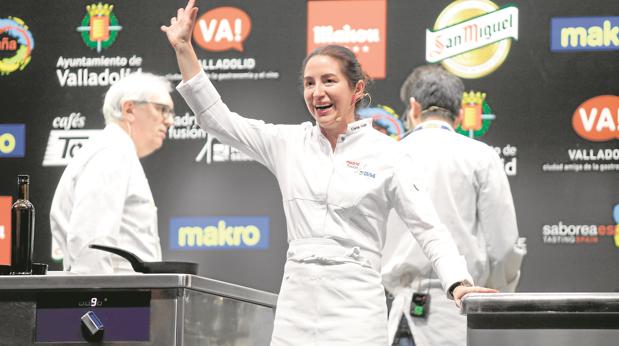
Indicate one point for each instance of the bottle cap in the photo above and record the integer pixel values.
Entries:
(39, 268)
(23, 178)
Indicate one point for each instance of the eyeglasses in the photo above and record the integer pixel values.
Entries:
(167, 112)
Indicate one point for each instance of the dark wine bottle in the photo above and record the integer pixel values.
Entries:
(22, 222)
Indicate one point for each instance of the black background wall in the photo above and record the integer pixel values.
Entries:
(533, 94)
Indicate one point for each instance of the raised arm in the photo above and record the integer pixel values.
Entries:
(179, 35)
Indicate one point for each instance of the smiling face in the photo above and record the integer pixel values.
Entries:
(328, 93)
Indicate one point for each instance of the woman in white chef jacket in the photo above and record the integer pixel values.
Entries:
(339, 178)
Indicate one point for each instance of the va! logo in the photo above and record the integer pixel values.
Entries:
(16, 45)
(597, 119)
(99, 27)
(477, 115)
(222, 28)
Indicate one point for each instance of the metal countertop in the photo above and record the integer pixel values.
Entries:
(63, 281)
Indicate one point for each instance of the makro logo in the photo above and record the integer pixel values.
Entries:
(477, 115)
(12, 140)
(357, 24)
(384, 119)
(222, 28)
(99, 27)
(219, 233)
(472, 38)
(62, 145)
(584, 34)
(597, 119)
(16, 45)
(5, 229)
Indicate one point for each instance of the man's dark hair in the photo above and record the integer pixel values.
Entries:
(438, 91)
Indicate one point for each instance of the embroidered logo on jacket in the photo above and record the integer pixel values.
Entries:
(367, 174)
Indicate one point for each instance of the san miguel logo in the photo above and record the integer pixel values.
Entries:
(597, 119)
(99, 27)
(359, 25)
(222, 28)
(16, 45)
(471, 38)
(477, 115)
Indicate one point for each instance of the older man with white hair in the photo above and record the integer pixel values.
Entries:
(103, 196)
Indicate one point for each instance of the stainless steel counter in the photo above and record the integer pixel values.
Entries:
(564, 319)
(140, 309)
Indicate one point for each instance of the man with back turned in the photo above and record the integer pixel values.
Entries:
(470, 191)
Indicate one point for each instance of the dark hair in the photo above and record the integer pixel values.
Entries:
(351, 68)
(433, 86)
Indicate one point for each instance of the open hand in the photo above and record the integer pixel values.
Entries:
(181, 27)
(460, 291)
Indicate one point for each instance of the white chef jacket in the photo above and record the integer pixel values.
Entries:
(471, 193)
(103, 197)
(344, 194)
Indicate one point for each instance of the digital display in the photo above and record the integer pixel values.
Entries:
(125, 315)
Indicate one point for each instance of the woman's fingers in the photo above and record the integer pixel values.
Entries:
(461, 291)
(189, 6)
(194, 14)
(180, 25)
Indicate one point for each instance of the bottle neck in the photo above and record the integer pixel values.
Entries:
(24, 191)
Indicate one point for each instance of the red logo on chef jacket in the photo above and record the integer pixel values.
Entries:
(597, 119)
(5, 229)
(359, 25)
(222, 28)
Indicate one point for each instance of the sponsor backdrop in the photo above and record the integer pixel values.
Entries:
(541, 90)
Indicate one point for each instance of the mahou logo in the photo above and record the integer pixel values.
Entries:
(359, 25)
(597, 119)
(222, 29)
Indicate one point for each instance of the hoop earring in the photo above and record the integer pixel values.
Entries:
(369, 99)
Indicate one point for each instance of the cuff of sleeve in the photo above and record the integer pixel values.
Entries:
(199, 93)
(453, 270)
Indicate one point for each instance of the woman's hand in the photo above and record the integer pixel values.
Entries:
(460, 291)
(181, 27)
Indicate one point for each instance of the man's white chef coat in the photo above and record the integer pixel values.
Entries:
(103, 197)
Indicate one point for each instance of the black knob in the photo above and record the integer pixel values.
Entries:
(92, 327)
